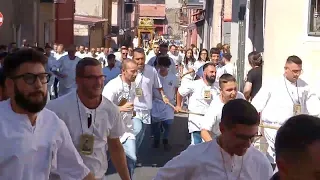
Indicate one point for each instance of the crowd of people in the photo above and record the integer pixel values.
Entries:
(73, 113)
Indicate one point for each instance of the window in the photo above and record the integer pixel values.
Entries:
(314, 18)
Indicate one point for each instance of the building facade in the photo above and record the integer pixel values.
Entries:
(192, 16)
(32, 20)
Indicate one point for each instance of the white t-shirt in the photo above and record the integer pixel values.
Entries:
(115, 91)
(81, 55)
(146, 80)
(177, 59)
(161, 111)
(186, 68)
(67, 67)
(197, 101)
(106, 123)
(204, 161)
(32, 152)
(212, 118)
(198, 64)
(229, 68)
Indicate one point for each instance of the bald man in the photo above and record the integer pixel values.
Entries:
(121, 91)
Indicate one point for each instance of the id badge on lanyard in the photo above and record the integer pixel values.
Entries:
(207, 94)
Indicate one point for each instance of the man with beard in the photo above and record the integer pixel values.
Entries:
(212, 118)
(111, 71)
(229, 156)
(201, 93)
(121, 91)
(34, 140)
(93, 121)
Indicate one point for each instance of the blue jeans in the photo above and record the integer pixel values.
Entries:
(196, 138)
(156, 129)
(129, 147)
(139, 129)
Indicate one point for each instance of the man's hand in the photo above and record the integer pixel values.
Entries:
(177, 109)
(165, 99)
(128, 107)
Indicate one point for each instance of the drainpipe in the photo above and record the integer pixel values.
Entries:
(222, 20)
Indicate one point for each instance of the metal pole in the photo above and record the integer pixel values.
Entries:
(107, 14)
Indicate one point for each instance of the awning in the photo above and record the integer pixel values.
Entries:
(88, 20)
(153, 17)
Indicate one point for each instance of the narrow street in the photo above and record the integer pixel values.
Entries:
(151, 159)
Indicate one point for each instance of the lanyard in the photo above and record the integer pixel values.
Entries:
(139, 84)
(289, 92)
(89, 117)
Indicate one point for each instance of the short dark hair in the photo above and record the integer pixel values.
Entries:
(214, 51)
(111, 56)
(25, 55)
(172, 45)
(139, 50)
(227, 56)
(294, 59)
(164, 60)
(83, 63)
(239, 111)
(295, 136)
(225, 78)
(164, 45)
(206, 65)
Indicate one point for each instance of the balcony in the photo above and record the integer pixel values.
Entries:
(192, 3)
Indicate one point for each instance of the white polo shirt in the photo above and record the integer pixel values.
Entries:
(197, 101)
(146, 80)
(32, 152)
(115, 91)
(161, 111)
(212, 118)
(106, 123)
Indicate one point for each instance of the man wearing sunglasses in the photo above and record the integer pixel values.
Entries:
(229, 156)
(35, 141)
(283, 98)
(228, 91)
(94, 122)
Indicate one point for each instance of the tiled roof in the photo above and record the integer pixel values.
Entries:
(152, 10)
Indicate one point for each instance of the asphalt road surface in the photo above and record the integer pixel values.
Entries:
(151, 159)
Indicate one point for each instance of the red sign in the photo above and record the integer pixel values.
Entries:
(1, 19)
